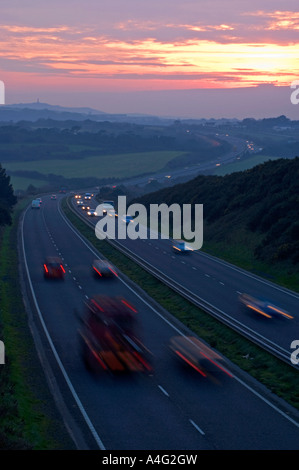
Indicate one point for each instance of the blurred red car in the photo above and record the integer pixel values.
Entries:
(53, 268)
(197, 355)
(109, 337)
(102, 268)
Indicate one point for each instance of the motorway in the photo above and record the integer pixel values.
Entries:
(217, 285)
(239, 149)
(175, 408)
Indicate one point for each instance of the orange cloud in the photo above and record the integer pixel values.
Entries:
(279, 20)
(81, 53)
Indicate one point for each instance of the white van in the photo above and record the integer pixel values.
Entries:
(35, 204)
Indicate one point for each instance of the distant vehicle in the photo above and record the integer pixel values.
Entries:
(87, 196)
(113, 213)
(80, 202)
(53, 196)
(128, 219)
(108, 207)
(262, 307)
(92, 213)
(196, 354)
(84, 207)
(62, 190)
(35, 204)
(109, 338)
(180, 246)
(108, 203)
(103, 268)
(78, 196)
(53, 268)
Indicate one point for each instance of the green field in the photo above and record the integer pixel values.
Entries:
(20, 183)
(242, 165)
(104, 166)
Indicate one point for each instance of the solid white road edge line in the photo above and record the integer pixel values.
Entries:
(63, 371)
(177, 330)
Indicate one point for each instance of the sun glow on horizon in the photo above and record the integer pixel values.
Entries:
(78, 55)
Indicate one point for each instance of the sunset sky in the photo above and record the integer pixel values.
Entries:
(194, 58)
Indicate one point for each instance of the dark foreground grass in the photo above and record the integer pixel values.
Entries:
(28, 416)
(279, 377)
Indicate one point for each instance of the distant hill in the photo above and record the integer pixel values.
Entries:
(37, 105)
(37, 110)
(259, 206)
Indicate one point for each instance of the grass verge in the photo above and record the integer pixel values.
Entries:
(28, 416)
(238, 247)
(241, 165)
(277, 376)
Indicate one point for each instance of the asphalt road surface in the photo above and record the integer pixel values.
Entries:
(219, 284)
(175, 408)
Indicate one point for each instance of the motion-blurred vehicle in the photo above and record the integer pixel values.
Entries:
(197, 355)
(35, 204)
(102, 268)
(262, 307)
(127, 219)
(80, 202)
(78, 196)
(88, 196)
(92, 213)
(53, 268)
(112, 213)
(84, 207)
(180, 246)
(53, 196)
(108, 207)
(108, 203)
(109, 338)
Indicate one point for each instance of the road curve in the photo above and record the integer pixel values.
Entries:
(173, 409)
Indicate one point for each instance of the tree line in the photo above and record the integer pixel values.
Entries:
(263, 201)
(7, 198)
(21, 143)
